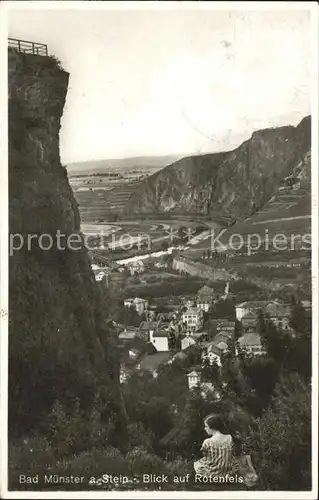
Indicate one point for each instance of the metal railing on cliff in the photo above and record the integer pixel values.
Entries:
(39, 49)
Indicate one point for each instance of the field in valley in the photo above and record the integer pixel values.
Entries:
(102, 202)
(102, 199)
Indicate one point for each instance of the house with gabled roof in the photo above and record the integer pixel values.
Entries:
(205, 298)
(207, 389)
(279, 314)
(159, 338)
(194, 378)
(127, 334)
(214, 350)
(193, 318)
(214, 353)
(148, 327)
(251, 342)
(187, 341)
(140, 305)
(307, 305)
(250, 320)
(252, 306)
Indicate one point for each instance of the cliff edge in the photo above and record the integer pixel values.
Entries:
(59, 347)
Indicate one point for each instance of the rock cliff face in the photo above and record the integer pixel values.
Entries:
(232, 184)
(59, 348)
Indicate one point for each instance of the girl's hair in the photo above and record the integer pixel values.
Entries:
(215, 422)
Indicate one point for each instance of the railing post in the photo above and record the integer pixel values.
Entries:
(28, 46)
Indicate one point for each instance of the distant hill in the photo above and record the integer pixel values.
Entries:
(122, 164)
(233, 184)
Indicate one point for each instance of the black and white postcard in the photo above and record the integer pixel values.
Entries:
(159, 249)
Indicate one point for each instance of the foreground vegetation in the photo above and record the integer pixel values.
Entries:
(261, 399)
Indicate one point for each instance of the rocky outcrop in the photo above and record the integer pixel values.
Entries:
(59, 347)
(232, 184)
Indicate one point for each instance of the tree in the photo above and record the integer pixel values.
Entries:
(157, 416)
(274, 340)
(131, 316)
(290, 352)
(238, 329)
(186, 437)
(262, 373)
(194, 356)
(224, 309)
(298, 320)
(210, 372)
(299, 356)
(282, 441)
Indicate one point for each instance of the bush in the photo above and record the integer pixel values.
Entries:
(140, 437)
(29, 456)
(94, 463)
(77, 432)
(141, 461)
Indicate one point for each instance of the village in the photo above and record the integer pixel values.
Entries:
(159, 331)
(172, 335)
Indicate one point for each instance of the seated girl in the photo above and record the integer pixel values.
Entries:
(218, 458)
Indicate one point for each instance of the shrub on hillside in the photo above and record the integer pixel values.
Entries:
(141, 461)
(282, 440)
(77, 432)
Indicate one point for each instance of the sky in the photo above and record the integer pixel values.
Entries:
(173, 82)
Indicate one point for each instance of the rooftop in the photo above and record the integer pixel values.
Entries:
(255, 304)
(306, 304)
(206, 290)
(149, 325)
(134, 350)
(222, 345)
(250, 315)
(160, 333)
(250, 339)
(280, 310)
(215, 349)
(137, 263)
(127, 335)
(98, 270)
(150, 348)
(192, 310)
(225, 322)
(221, 337)
(221, 325)
(208, 386)
(136, 300)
